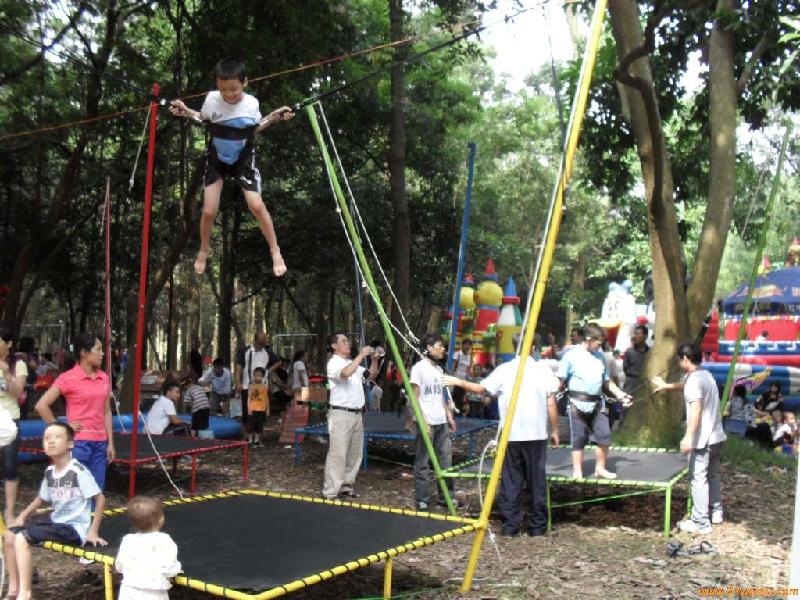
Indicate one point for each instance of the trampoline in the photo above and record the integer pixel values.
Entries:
(252, 544)
(647, 470)
(168, 446)
(390, 426)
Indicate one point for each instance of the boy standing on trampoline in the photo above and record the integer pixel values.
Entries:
(583, 371)
(234, 118)
(70, 488)
(345, 416)
(426, 381)
(703, 438)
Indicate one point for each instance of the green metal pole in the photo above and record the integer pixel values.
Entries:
(667, 511)
(348, 219)
(762, 242)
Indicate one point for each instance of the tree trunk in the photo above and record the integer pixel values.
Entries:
(401, 233)
(230, 233)
(654, 419)
(577, 281)
(722, 178)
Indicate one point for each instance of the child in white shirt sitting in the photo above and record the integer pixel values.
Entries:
(147, 559)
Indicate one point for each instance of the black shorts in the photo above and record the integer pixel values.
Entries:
(244, 170)
(46, 531)
(200, 419)
(583, 424)
(255, 421)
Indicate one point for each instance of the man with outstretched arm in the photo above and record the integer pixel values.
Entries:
(526, 455)
(703, 439)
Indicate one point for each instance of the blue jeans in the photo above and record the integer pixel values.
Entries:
(92, 455)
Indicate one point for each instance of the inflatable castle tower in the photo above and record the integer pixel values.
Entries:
(509, 323)
(488, 298)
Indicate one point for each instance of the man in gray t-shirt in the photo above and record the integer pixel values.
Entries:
(703, 438)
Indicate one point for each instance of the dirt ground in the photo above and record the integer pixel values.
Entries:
(604, 550)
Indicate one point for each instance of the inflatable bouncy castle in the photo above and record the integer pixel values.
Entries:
(773, 329)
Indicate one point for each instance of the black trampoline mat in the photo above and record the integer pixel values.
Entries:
(165, 444)
(255, 543)
(378, 424)
(647, 466)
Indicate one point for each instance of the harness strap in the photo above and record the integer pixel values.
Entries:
(226, 132)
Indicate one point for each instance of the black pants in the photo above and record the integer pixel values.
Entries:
(524, 466)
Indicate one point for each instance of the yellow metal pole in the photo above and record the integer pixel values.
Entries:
(578, 111)
(387, 579)
(108, 581)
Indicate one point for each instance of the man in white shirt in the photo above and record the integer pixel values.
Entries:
(345, 416)
(162, 418)
(703, 439)
(526, 454)
(426, 381)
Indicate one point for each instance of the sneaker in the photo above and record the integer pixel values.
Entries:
(422, 506)
(689, 526)
(717, 518)
(456, 503)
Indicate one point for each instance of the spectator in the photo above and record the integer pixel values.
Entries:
(475, 400)
(770, 401)
(87, 390)
(259, 354)
(785, 433)
(741, 409)
(221, 381)
(13, 375)
(196, 400)
(162, 419)
(279, 390)
(462, 367)
(576, 337)
(763, 338)
(196, 360)
(345, 420)
(426, 381)
(299, 373)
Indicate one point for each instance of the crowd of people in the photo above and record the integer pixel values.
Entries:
(82, 448)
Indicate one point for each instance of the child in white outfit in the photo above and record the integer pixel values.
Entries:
(147, 559)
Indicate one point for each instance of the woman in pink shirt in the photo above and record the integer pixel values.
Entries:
(87, 391)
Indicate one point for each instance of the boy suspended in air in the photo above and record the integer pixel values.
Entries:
(233, 153)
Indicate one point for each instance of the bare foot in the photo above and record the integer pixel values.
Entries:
(278, 266)
(604, 474)
(200, 262)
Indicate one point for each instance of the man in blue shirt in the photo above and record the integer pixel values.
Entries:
(583, 372)
(219, 377)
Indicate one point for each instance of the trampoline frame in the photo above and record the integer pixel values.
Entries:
(141, 460)
(466, 526)
(643, 487)
(321, 429)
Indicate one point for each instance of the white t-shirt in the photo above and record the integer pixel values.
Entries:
(699, 386)
(7, 401)
(241, 115)
(299, 375)
(347, 392)
(147, 561)
(431, 397)
(158, 418)
(530, 416)
(253, 358)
